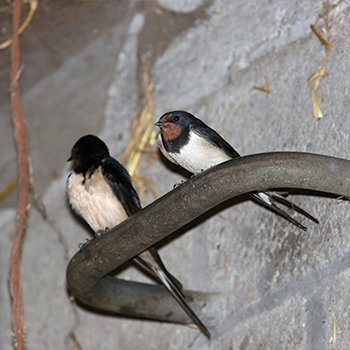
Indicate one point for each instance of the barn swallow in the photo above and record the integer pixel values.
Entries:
(186, 141)
(100, 191)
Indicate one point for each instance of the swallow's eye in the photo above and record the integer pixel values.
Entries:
(176, 119)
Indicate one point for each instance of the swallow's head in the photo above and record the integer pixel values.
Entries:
(87, 152)
(173, 124)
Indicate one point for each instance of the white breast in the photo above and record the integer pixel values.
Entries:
(198, 155)
(95, 201)
(162, 149)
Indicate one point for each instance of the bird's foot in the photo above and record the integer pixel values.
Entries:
(81, 246)
(101, 232)
(179, 183)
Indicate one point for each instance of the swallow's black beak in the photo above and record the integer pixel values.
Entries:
(69, 159)
(158, 124)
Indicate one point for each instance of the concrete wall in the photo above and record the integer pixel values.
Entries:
(278, 287)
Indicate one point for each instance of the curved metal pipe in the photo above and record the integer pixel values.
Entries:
(87, 270)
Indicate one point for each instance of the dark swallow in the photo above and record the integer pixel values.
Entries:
(100, 191)
(187, 141)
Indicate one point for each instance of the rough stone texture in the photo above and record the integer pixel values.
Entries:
(279, 287)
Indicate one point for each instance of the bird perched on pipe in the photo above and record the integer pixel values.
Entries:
(186, 141)
(100, 191)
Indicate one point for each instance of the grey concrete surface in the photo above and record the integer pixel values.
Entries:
(278, 287)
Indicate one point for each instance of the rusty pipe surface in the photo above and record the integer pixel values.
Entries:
(87, 270)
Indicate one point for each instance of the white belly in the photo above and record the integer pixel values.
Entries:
(95, 201)
(198, 155)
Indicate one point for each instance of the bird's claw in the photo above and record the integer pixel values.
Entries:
(81, 246)
(101, 232)
(178, 183)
